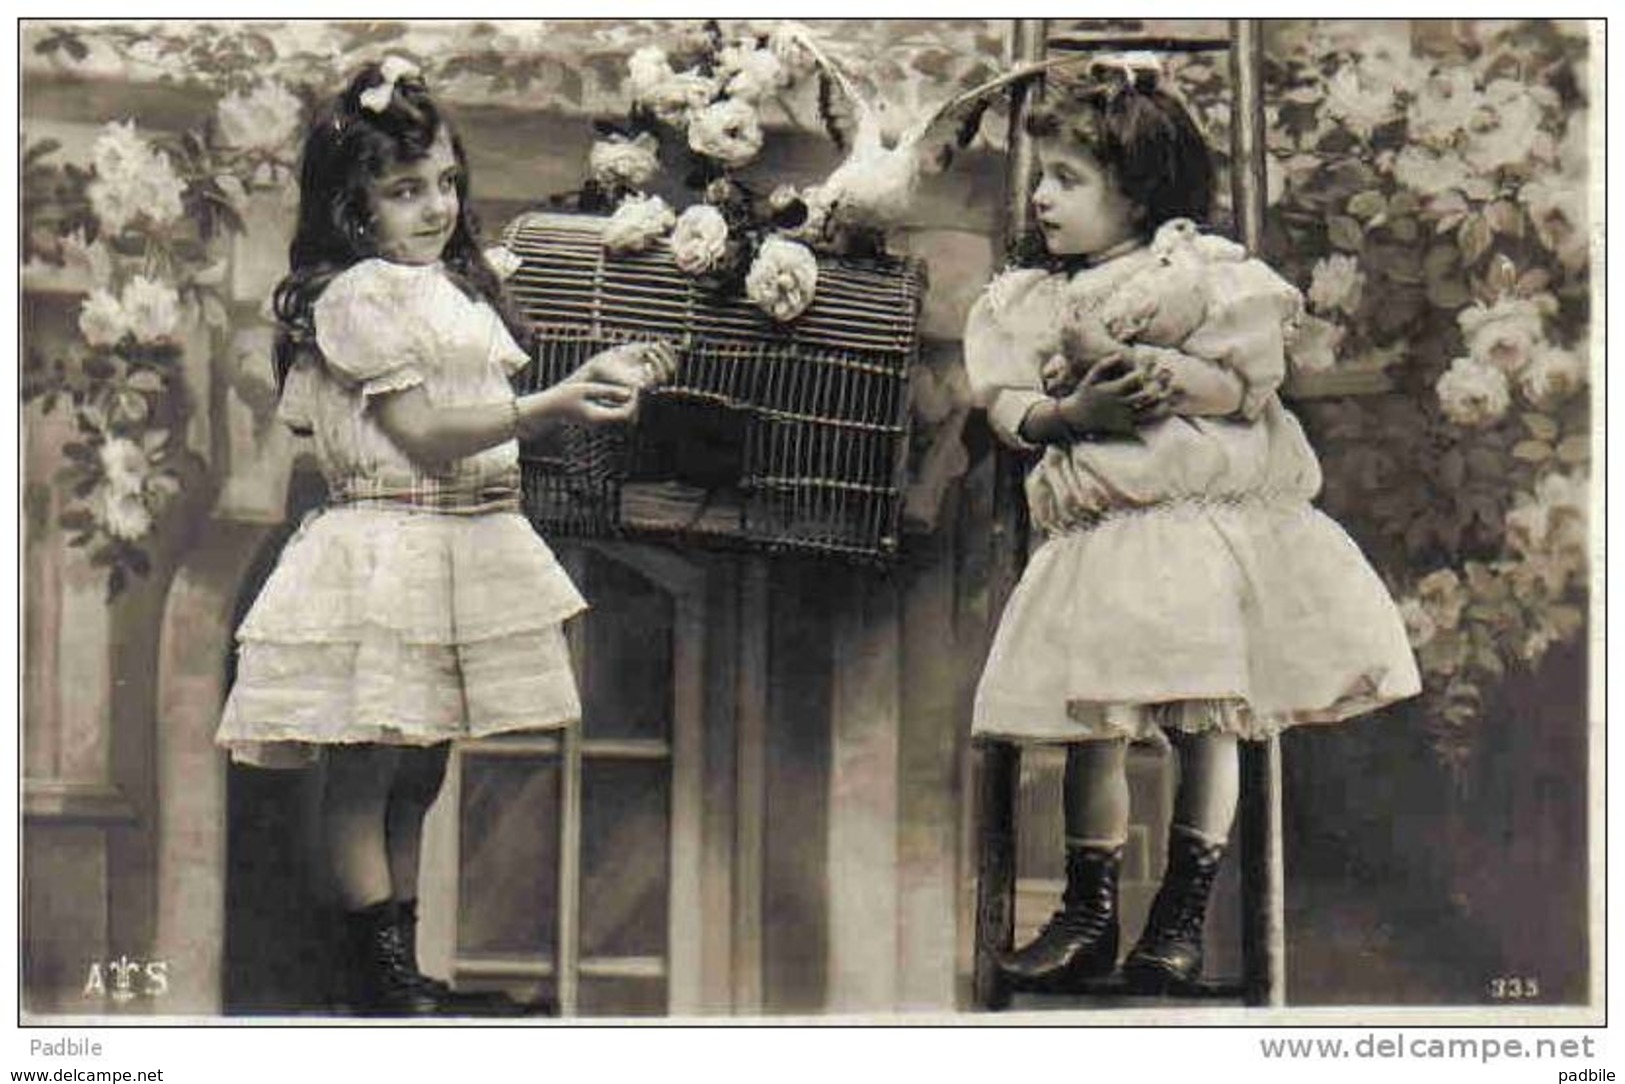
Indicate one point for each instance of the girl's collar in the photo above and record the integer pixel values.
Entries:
(1071, 265)
(1107, 255)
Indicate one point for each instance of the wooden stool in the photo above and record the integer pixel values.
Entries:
(1263, 898)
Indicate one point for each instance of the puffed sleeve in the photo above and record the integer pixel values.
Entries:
(1251, 312)
(373, 331)
(507, 353)
(1004, 349)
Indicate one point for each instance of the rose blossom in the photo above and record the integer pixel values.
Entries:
(1505, 333)
(621, 161)
(1360, 103)
(1551, 374)
(1508, 132)
(729, 131)
(1313, 347)
(636, 223)
(132, 181)
(1338, 284)
(676, 100)
(1557, 207)
(101, 319)
(1444, 595)
(503, 260)
(123, 515)
(1430, 174)
(124, 465)
(152, 308)
(699, 241)
(782, 278)
(265, 118)
(646, 71)
(751, 74)
(1473, 393)
(1445, 107)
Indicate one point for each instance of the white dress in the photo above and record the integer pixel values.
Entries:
(1184, 579)
(389, 618)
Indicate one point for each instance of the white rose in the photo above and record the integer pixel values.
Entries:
(636, 223)
(1504, 334)
(1472, 393)
(1338, 284)
(132, 181)
(676, 100)
(729, 131)
(1313, 347)
(699, 241)
(628, 162)
(1444, 595)
(1551, 374)
(647, 69)
(1557, 207)
(1430, 174)
(119, 151)
(124, 465)
(503, 260)
(152, 308)
(782, 279)
(102, 320)
(265, 118)
(1362, 104)
(1396, 67)
(1549, 526)
(1420, 627)
(1507, 132)
(115, 205)
(123, 515)
(751, 74)
(812, 228)
(1445, 107)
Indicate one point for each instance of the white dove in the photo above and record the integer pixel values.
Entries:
(875, 185)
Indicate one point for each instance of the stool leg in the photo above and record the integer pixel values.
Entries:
(996, 870)
(1263, 936)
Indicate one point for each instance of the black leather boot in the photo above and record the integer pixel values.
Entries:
(385, 982)
(1080, 940)
(455, 1002)
(1168, 956)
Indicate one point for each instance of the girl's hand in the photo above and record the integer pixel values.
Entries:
(634, 365)
(581, 401)
(1108, 401)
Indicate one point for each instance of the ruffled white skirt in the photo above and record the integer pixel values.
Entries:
(1262, 612)
(402, 626)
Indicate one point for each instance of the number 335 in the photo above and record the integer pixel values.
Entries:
(1514, 988)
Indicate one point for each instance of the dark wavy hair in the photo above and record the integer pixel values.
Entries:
(349, 145)
(1143, 137)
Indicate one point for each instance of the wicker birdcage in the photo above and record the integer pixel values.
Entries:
(787, 438)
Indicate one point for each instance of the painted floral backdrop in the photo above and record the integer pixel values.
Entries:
(1428, 184)
(1429, 187)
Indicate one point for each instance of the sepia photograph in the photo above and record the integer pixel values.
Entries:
(988, 521)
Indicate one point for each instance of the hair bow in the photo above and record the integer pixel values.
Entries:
(376, 99)
(1127, 71)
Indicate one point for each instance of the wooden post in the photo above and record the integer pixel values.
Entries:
(1264, 891)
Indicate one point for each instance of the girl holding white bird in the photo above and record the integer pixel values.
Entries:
(1186, 588)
